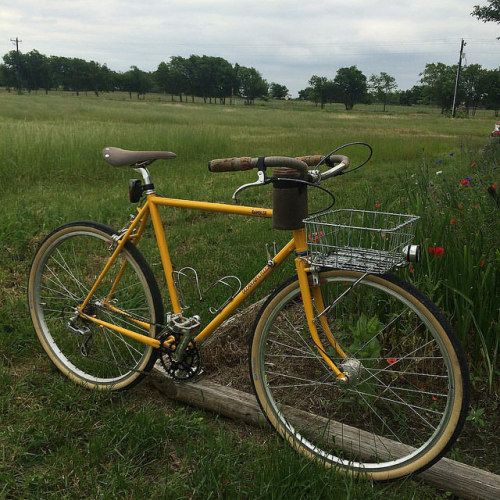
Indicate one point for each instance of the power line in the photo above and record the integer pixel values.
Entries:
(398, 43)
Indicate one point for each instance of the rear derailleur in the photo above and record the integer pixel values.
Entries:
(179, 354)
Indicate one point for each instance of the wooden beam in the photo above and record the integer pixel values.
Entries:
(460, 479)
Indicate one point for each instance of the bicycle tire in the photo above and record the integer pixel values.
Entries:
(407, 395)
(63, 270)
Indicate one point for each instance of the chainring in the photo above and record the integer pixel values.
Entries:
(188, 367)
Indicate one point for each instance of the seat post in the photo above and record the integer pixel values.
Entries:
(148, 181)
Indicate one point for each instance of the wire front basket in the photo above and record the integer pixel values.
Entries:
(359, 240)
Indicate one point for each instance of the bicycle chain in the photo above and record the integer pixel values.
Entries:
(187, 368)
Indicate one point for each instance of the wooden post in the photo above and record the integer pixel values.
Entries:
(460, 479)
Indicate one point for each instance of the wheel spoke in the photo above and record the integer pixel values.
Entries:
(63, 273)
(400, 385)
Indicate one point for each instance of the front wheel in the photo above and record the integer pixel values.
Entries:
(63, 272)
(406, 397)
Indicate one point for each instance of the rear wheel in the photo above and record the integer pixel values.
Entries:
(406, 398)
(63, 271)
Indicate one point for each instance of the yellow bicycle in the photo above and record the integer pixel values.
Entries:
(352, 366)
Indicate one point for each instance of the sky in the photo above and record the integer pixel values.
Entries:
(286, 41)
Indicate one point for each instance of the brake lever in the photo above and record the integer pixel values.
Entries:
(334, 171)
(262, 179)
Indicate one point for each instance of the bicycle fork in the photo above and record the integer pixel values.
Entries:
(309, 291)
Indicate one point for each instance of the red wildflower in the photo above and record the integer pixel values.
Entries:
(473, 164)
(412, 269)
(437, 251)
(391, 361)
(482, 263)
(452, 221)
(315, 236)
(465, 182)
(476, 207)
(377, 205)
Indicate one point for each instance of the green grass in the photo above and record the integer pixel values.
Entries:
(61, 441)
(54, 435)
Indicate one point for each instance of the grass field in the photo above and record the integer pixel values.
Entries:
(56, 436)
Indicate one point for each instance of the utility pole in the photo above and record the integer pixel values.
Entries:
(16, 41)
(459, 69)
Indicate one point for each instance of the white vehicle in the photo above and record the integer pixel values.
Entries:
(495, 135)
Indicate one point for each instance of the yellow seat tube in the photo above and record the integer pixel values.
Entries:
(301, 266)
(164, 254)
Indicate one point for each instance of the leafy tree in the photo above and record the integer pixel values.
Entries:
(162, 77)
(14, 69)
(136, 81)
(3, 76)
(182, 78)
(277, 91)
(251, 84)
(412, 96)
(78, 75)
(350, 86)
(439, 80)
(491, 98)
(106, 78)
(321, 90)
(478, 86)
(215, 77)
(488, 13)
(224, 78)
(37, 73)
(99, 78)
(205, 76)
(382, 86)
(473, 86)
(306, 94)
(59, 68)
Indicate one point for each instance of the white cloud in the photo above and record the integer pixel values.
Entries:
(287, 41)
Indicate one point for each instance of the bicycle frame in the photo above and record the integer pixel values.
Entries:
(134, 232)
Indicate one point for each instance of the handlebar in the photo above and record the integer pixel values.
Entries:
(246, 163)
(299, 164)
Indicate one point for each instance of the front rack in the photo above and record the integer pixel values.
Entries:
(359, 240)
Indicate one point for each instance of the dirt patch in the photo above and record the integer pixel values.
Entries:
(225, 356)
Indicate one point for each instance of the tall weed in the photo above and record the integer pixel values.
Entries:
(457, 198)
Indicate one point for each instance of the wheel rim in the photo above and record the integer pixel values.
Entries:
(426, 403)
(65, 273)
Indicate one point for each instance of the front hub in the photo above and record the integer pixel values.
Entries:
(353, 370)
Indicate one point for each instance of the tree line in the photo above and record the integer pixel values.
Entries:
(202, 76)
(478, 87)
(216, 79)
